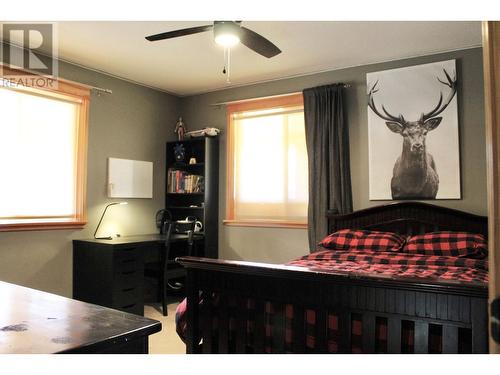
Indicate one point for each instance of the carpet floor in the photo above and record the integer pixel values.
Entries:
(166, 341)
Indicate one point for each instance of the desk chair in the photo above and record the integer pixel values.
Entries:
(169, 269)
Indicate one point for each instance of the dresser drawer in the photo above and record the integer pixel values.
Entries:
(128, 270)
(127, 254)
(128, 273)
(127, 260)
(127, 279)
(128, 266)
(127, 296)
(128, 276)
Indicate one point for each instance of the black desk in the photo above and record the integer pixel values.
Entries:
(111, 272)
(36, 322)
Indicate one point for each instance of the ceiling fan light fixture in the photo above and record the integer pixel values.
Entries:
(227, 40)
(226, 33)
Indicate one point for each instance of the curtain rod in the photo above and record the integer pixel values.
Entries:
(345, 85)
(98, 90)
(101, 90)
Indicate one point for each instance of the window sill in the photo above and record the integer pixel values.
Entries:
(41, 226)
(265, 224)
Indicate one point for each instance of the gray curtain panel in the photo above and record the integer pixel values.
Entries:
(327, 139)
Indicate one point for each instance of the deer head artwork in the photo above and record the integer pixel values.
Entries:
(414, 174)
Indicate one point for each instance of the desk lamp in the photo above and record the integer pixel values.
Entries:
(100, 220)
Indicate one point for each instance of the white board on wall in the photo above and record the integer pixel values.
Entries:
(130, 178)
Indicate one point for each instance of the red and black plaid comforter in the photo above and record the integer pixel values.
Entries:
(367, 263)
(401, 265)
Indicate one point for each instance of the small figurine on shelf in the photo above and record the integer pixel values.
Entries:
(180, 129)
(179, 153)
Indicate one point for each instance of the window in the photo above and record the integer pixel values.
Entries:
(43, 141)
(267, 163)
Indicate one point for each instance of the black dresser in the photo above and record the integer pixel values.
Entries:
(111, 272)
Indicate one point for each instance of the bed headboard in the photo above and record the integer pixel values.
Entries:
(409, 218)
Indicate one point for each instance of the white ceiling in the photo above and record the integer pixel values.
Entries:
(193, 64)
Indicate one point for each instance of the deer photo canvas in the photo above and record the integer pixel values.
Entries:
(413, 132)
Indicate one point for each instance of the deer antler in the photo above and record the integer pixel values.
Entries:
(440, 107)
(399, 119)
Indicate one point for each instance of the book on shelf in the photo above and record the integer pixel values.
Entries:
(179, 181)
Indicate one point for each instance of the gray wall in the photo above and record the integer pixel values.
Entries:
(278, 245)
(132, 123)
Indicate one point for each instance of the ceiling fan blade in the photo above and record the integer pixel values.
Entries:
(181, 32)
(258, 43)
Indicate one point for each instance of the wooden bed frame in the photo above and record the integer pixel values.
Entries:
(454, 307)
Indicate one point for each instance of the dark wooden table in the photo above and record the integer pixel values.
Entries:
(36, 322)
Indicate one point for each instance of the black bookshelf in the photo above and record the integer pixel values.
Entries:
(191, 197)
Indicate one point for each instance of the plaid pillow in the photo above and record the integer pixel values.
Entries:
(456, 244)
(349, 239)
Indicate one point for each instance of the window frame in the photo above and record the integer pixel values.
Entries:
(282, 101)
(73, 92)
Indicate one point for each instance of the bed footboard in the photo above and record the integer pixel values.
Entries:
(263, 308)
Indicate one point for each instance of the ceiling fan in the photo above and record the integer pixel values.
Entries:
(227, 34)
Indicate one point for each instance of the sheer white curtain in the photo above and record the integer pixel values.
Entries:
(38, 157)
(270, 165)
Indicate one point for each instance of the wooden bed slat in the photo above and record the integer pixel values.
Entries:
(464, 309)
(370, 299)
(259, 326)
(278, 327)
(207, 323)
(453, 308)
(345, 296)
(390, 300)
(298, 330)
(450, 339)
(223, 323)
(241, 317)
(361, 303)
(400, 302)
(344, 319)
(394, 335)
(442, 307)
(380, 299)
(321, 331)
(430, 305)
(421, 337)
(420, 304)
(193, 318)
(368, 333)
(410, 298)
(479, 326)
